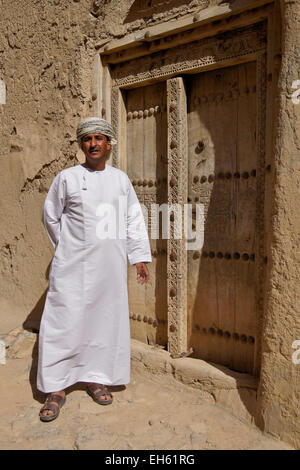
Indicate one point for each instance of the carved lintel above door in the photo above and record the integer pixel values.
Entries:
(222, 50)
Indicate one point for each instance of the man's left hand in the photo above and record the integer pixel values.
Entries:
(142, 273)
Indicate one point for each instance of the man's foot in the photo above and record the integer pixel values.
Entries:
(52, 406)
(99, 393)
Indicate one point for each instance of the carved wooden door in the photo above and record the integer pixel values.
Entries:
(222, 156)
(147, 169)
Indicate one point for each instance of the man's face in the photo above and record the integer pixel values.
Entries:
(95, 146)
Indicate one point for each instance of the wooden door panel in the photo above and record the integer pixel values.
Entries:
(222, 176)
(147, 169)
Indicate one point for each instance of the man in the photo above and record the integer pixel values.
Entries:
(84, 334)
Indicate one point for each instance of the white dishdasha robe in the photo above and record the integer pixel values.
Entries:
(85, 332)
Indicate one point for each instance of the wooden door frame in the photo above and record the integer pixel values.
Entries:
(208, 53)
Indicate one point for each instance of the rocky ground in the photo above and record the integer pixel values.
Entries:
(152, 412)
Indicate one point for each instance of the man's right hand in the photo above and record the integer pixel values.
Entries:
(142, 273)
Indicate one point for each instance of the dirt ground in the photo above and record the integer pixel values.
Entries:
(152, 412)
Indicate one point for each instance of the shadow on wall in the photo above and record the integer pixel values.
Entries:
(146, 8)
(32, 322)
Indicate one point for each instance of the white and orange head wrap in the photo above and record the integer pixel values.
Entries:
(95, 125)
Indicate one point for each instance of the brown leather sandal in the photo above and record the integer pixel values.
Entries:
(58, 400)
(96, 391)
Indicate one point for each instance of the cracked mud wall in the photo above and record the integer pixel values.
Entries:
(44, 59)
(279, 391)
